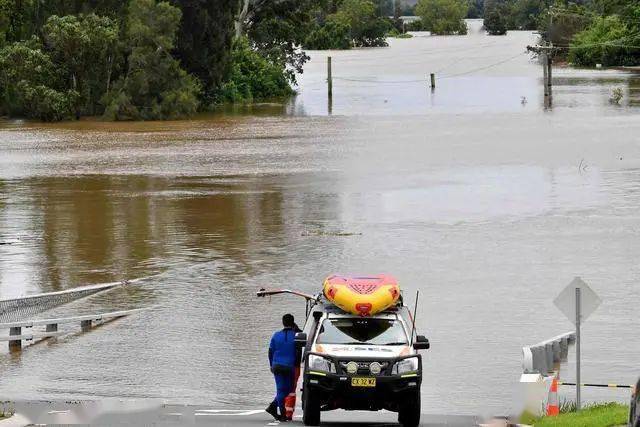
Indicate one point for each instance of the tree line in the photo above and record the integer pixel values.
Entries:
(593, 32)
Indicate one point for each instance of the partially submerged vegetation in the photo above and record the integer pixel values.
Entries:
(594, 32)
(598, 415)
(442, 17)
(348, 23)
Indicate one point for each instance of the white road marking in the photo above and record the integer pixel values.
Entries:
(229, 412)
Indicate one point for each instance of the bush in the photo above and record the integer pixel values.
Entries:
(43, 103)
(602, 43)
(360, 15)
(416, 25)
(443, 16)
(30, 85)
(252, 77)
(333, 35)
(494, 23)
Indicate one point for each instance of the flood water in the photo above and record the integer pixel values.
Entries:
(483, 200)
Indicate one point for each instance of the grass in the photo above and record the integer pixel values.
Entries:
(598, 415)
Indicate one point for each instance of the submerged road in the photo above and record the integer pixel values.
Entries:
(149, 412)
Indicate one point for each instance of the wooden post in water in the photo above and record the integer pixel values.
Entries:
(329, 78)
(433, 81)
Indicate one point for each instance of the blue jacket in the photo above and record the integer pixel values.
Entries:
(282, 349)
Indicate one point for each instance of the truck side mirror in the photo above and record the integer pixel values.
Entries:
(301, 339)
(421, 343)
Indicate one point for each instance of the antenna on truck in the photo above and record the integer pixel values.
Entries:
(415, 310)
(268, 292)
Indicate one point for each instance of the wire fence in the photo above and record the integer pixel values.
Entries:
(463, 73)
(16, 309)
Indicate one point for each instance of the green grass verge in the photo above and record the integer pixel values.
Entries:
(599, 415)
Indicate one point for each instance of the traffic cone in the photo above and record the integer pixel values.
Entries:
(553, 409)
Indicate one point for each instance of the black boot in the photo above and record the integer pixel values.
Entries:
(272, 410)
(283, 414)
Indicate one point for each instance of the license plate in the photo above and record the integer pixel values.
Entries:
(363, 382)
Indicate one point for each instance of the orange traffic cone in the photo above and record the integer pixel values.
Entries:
(552, 403)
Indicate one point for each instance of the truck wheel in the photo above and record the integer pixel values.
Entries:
(409, 414)
(311, 409)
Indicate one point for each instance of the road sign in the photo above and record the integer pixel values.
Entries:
(566, 301)
(577, 301)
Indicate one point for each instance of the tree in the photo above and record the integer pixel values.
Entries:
(30, 84)
(366, 28)
(276, 28)
(604, 42)
(253, 77)
(494, 23)
(495, 17)
(85, 46)
(154, 86)
(443, 16)
(331, 35)
(204, 41)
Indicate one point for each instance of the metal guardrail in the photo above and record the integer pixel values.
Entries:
(542, 358)
(16, 336)
(16, 308)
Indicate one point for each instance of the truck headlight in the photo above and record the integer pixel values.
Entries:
(405, 365)
(319, 363)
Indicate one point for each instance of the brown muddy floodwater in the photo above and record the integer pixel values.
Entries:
(486, 203)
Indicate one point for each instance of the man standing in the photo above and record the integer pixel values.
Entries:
(282, 359)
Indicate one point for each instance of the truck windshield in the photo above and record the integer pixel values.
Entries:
(362, 331)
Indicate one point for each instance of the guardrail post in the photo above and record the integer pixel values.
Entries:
(15, 344)
(548, 352)
(85, 325)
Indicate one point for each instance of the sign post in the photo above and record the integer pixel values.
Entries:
(577, 301)
(578, 307)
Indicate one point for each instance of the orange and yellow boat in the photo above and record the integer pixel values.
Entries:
(363, 296)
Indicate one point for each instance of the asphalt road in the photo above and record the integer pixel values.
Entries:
(144, 412)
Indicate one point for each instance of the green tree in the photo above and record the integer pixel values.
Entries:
(154, 86)
(366, 28)
(277, 28)
(495, 17)
(253, 77)
(204, 40)
(30, 84)
(85, 46)
(494, 22)
(331, 35)
(524, 14)
(605, 42)
(443, 16)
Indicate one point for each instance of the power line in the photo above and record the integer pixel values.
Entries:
(486, 67)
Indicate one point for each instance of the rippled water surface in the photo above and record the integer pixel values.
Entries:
(474, 193)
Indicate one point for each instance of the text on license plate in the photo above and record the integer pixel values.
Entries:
(363, 382)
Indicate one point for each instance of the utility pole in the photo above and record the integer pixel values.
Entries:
(546, 52)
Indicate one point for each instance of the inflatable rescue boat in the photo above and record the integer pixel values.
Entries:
(363, 296)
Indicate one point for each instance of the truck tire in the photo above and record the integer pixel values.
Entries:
(311, 409)
(409, 414)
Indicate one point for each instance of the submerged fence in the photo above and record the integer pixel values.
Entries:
(16, 334)
(24, 307)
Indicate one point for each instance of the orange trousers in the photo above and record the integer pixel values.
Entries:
(290, 400)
